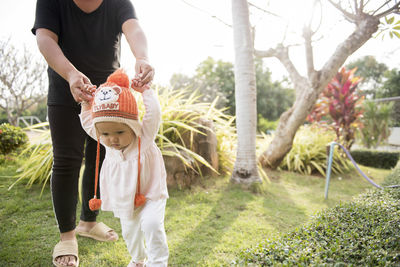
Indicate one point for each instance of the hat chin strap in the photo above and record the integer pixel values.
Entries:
(95, 203)
(139, 198)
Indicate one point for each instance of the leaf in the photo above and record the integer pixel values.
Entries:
(318, 167)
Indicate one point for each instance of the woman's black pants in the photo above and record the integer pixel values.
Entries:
(69, 141)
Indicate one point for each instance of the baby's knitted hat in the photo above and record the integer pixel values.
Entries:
(113, 101)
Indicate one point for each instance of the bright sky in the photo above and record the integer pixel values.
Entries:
(181, 36)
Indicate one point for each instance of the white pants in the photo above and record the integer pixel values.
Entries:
(144, 234)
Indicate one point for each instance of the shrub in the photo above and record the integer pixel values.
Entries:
(339, 105)
(364, 232)
(180, 113)
(376, 159)
(39, 159)
(309, 155)
(265, 126)
(11, 138)
(375, 123)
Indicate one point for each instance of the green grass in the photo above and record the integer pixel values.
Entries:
(206, 225)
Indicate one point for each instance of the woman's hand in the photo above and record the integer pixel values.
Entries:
(81, 87)
(144, 75)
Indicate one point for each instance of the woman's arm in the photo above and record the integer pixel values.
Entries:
(138, 43)
(48, 45)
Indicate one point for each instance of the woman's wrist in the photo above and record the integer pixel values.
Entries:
(142, 58)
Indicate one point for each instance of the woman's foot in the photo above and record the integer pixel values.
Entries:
(67, 260)
(86, 227)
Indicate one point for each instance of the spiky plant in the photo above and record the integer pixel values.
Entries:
(308, 154)
(37, 167)
(339, 107)
(375, 120)
(181, 111)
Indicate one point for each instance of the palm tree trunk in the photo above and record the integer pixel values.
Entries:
(245, 169)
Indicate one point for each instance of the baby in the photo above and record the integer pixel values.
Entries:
(132, 177)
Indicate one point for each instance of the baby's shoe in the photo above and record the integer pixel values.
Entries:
(135, 264)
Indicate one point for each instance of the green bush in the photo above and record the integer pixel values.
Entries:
(376, 159)
(181, 110)
(36, 169)
(265, 126)
(375, 123)
(11, 138)
(181, 114)
(364, 232)
(308, 154)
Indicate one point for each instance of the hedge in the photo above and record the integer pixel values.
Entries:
(376, 159)
(364, 232)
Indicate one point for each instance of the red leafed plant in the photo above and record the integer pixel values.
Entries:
(339, 106)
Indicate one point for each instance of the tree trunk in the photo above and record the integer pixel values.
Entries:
(289, 123)
(245, 169)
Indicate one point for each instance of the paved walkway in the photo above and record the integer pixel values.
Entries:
(34, 137)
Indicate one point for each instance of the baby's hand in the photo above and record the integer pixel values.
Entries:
(138, 86)
(91, 89)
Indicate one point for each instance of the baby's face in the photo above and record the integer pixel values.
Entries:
(115, 134)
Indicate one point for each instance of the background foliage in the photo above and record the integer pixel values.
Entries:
(11, 138)
(374, 129)
(216, 79)
(309, 155)
(180, 118)
(378, 81)
(363, 232)
(22, 80)
(339, 107)
(376, 159)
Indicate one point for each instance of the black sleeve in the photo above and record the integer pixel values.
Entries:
(47, 16)
(125, 11)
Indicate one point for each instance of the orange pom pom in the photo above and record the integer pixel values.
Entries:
(120, 78)
(94, 204)
(139, 200)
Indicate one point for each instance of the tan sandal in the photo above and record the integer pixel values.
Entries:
(98, 232)
(66, 248)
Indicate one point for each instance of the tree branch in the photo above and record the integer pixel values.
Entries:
(384, 4)
(208, 13)
(263, 10)
(358, 9)
(282, 54)
(395, 8)
(366, 27)
(307, 35)
(349, 16)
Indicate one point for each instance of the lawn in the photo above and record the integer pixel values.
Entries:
(206, 225)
